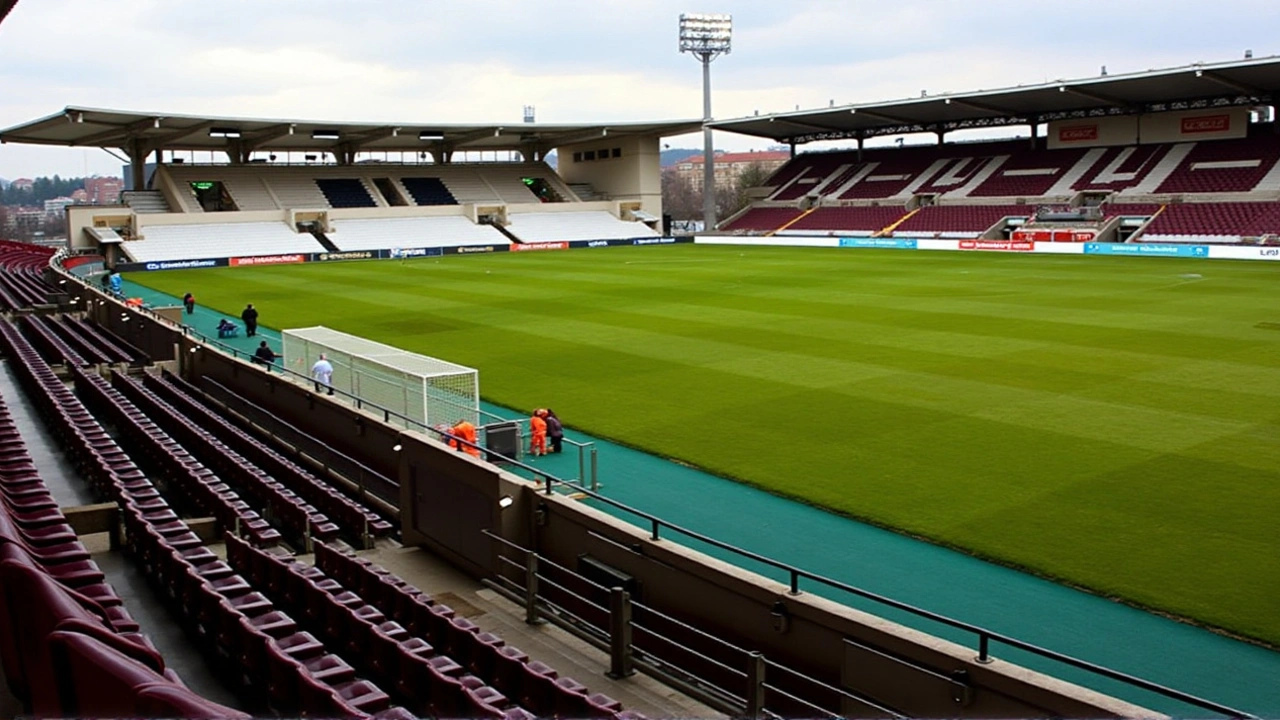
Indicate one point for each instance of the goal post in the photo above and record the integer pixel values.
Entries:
(425, 389)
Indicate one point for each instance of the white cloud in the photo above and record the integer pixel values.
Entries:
(575, 60)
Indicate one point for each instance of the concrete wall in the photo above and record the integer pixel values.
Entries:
(636, 174)
(737, 605)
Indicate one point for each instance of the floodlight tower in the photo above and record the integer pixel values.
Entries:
(706, 37)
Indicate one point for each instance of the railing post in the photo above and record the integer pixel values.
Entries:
(984, 643)
(582, 465)
(531, 590)
(595, 478)
(654, 534)
(755, 685)
(620, 634)
(795, 582)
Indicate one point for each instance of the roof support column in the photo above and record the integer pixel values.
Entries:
(792, 145)
(138, 153)
(942, 134)
(532, 152)
(1035, 131)
(861, 141)
(237, 154)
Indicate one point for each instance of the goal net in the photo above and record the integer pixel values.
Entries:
(426, 389)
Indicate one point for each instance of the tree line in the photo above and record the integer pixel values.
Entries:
(682, 201)
(44, 188)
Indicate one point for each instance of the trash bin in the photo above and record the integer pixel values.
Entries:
(503, 438)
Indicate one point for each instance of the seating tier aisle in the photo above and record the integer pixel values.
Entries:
(184, 242)
(568, 226)
(386, 233)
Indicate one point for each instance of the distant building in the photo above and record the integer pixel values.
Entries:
(22, 184)
(80, 196)
(25, 220)
(56, 206)
(103, 190)
(730, 165)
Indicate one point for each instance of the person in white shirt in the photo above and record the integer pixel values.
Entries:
(322, 373)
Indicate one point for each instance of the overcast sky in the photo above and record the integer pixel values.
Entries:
(575, 60)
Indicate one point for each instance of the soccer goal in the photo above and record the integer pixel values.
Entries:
(426, 389)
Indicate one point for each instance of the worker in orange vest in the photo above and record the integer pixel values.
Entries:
(464, 430)
(538, 427)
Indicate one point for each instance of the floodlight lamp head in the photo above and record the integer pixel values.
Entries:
(706, 35)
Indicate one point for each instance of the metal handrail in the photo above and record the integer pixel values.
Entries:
(984, 635)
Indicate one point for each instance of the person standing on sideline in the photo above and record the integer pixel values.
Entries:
(189, 302)
(250, 318)
(555, 431)
(322, 372)
(264, 355)
(538, 430)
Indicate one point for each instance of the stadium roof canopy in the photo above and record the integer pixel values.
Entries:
(5, 7)
(92, 127)
(1245, 82)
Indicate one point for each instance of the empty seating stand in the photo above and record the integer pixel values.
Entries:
(235, 626)
(345, 192)
(284, 436)
(960, 176)
(762, 219)
(428, 191)
(462, 669)
(241, 239)
(1214, 222)
(21, 283)
(958, 220)
(1224, 165)
(358, 523)
(569, 226)
(412, 232)
(67, 644)
(195, 458)
(863, 220)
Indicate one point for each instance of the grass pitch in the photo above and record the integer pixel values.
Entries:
(1110, 422)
